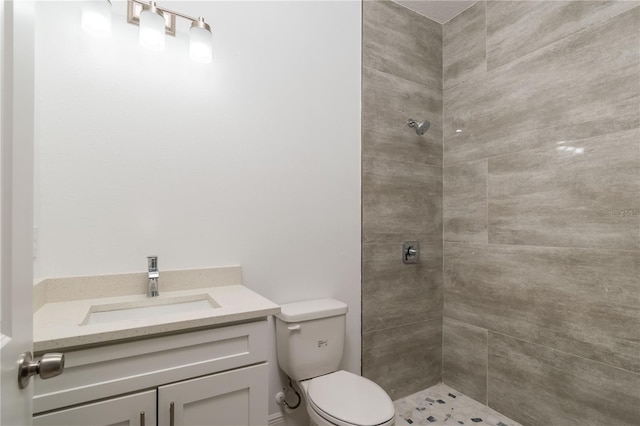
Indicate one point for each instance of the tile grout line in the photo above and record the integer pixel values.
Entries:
(442, 115)
(486, 71)
(362, 272)
(399, 161)
(541, 247)
(487, 380)
(486, 66)
(400, 326)
(486, 182)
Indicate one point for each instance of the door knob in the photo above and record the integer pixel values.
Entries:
(50, 365)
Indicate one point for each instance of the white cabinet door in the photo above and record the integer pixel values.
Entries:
(132, 410)
(233, 398)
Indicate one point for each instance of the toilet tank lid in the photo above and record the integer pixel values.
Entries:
(311, 309)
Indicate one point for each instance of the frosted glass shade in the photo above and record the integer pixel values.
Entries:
(200, 45)
(96, 17)
(152, 30)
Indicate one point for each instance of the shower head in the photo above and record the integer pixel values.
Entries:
(420, 127)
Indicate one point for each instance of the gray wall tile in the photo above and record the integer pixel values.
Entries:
(464, 45)
(401, 198)
(564, 195)
(401, 201)
(464, 358)
(558, 76)
(465, 204)
(387, 102)
(581, 86)
(515, 29)
(580, 301)
(396, 294)
(398, 41)
(405, 359)
(535, 385)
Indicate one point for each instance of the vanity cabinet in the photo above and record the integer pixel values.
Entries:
(215, 376)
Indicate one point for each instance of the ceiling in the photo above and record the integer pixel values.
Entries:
(439, 11)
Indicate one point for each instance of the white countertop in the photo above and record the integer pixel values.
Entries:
(58, 325)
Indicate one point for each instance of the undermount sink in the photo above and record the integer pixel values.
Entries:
(148, 308)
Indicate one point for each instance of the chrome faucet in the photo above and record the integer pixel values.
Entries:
(153, 290)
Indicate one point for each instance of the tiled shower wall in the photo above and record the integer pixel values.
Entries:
(542, 210)
(401, 198)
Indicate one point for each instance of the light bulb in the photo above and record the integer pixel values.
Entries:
(200, 42)
(152, 28)
(96, 17)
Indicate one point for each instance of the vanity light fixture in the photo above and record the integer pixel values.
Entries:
(200, 42)
(154, 21)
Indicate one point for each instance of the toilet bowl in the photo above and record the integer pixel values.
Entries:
(310, 344)
(346, 399)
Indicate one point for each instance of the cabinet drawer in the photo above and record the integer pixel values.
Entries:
(138, 409)
(105, 371)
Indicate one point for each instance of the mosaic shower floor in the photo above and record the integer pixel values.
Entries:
(441, 405)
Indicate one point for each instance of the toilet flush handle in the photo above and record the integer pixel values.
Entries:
(294, 327)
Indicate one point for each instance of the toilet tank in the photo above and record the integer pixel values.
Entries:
(310, 337)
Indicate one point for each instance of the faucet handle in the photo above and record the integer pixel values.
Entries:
(152, 261)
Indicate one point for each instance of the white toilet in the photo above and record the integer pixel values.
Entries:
(310, 343)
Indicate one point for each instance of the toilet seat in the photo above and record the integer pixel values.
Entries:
(346, 399)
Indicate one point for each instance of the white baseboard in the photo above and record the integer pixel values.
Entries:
(276, 419)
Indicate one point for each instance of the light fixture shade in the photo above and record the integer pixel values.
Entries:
(200, 42)
(152, 28)
(96, 17)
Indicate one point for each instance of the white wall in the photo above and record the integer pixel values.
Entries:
(254, 160)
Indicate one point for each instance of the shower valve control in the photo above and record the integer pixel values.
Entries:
(410, 252)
